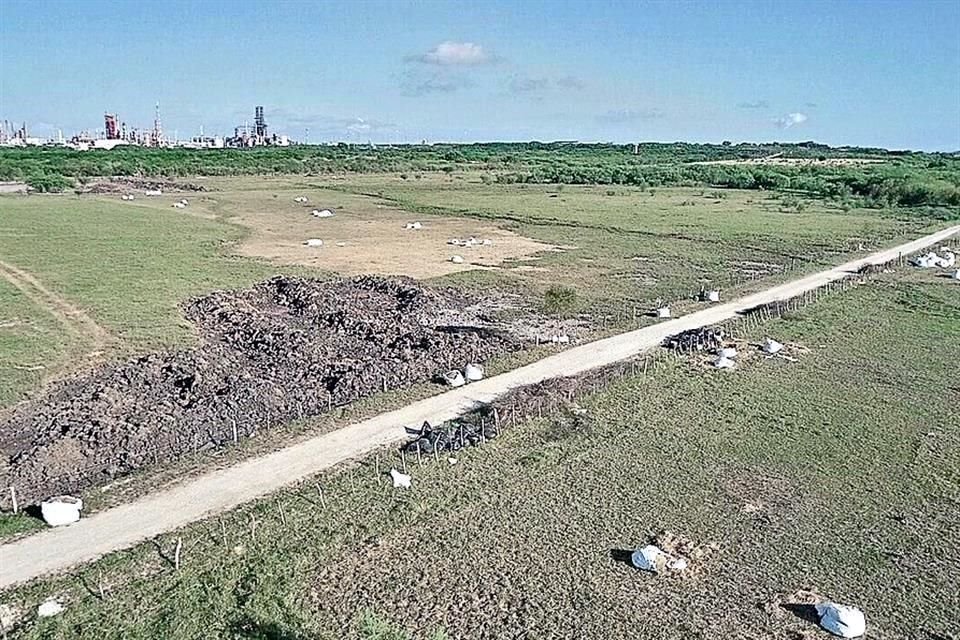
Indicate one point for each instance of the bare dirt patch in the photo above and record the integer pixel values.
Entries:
(362, 238)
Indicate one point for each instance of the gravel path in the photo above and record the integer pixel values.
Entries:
(121, 527)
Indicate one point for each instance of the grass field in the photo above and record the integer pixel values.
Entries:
(837, 472)
(129, 265)
(627, 246)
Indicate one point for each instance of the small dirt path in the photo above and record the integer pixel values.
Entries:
(56, 550)
(76, 321)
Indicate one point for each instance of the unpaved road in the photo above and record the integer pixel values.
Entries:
(55, 550)
(75, 321)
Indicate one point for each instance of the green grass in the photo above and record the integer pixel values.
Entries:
(629, 249)
(13, 525)
(851, 453)
(127, 266)
(30, 339)
(130, 265)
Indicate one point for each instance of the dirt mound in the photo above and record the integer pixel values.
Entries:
(122, 184)
(285, 349)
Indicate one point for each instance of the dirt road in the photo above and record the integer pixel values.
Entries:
(55, 550)
(75, 321)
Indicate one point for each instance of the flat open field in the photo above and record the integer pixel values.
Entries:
(833, 471)
(128, 266)
(627, 247)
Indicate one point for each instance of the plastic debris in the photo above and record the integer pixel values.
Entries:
(710, 296)
(456, 259)
(454, 378)
(450, 436)
(153, 192)
(341, 244)
(10, 616)
(932, 260)
(184, 202)
(400, 480)
(771, 346)
(178, 205)
(314, 242)
(473, 372)
(724, 363)
(455, 242)
(653, 558)
(841, 620)
(300, 199)
(452, 460)
(696, 339)
(663, 312)
(50, 608)
(956, 274)
(414, 225)
(61, 510)
(727, 352)
(560, 339)
(322, 213)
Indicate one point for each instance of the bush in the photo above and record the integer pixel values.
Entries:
(48, 182)
(559, 300)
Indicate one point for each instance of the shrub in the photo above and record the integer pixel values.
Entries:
(559, 299)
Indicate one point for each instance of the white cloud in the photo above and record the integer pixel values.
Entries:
(627, 116)
(520, 84)
(326, 127)
(570, 82)
(538, 87)
(790, 120)
(420, 82)
(449, 53)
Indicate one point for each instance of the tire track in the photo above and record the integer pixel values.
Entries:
(77, 323)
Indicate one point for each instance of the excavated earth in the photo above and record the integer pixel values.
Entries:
(285, 349)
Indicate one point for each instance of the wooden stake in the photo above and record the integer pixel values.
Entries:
(176, 554)
(13, 498)
(235, 435)
(376, 467)
(436, 454)
(419, 457)
(100, 584)
(283, 518)
(403, 460)
(223, 531)
(323, 501)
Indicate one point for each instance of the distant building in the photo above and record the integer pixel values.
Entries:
(256, 136)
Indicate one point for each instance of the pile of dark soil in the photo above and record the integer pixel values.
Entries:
(287, 348)
(124, 184)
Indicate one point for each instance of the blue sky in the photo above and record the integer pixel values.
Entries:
(876, 72)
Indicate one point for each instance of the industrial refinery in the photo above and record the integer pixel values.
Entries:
(116, 133)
